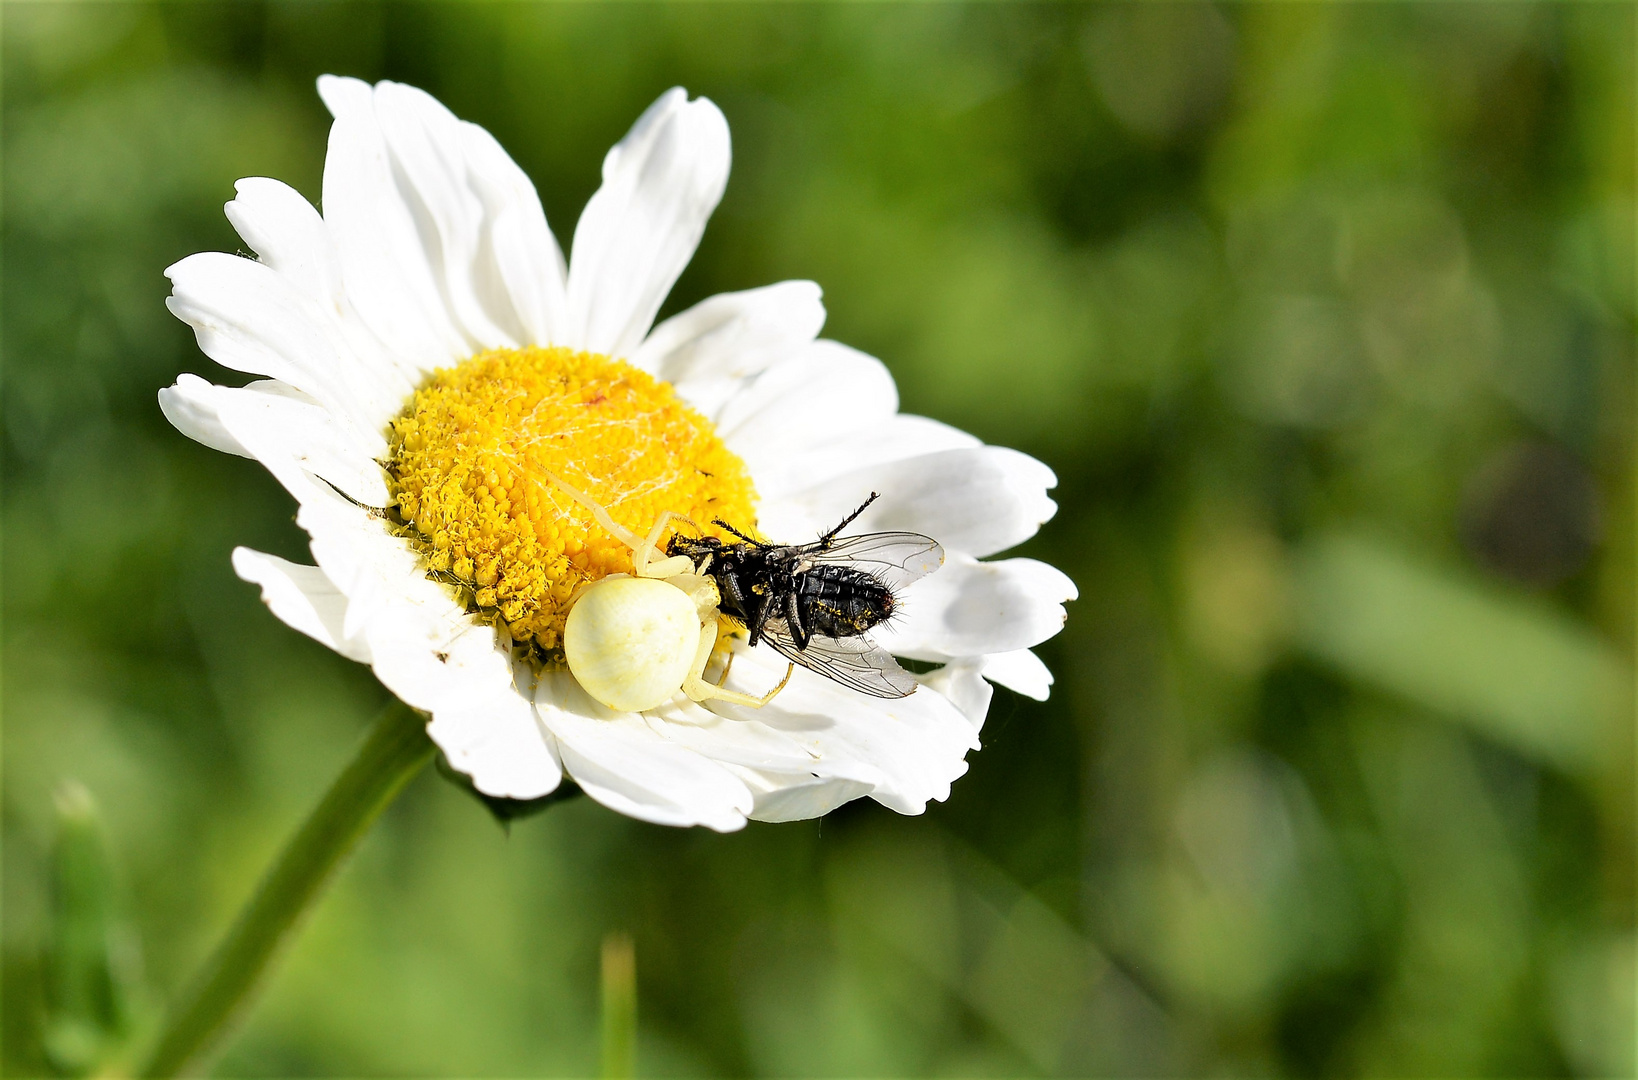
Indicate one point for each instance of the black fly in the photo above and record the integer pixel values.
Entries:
(813, 603)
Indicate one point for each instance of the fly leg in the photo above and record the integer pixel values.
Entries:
(758, 607)
(741, 603)
(732, 592)
(824, 541)
(793, 620)
(748, 539)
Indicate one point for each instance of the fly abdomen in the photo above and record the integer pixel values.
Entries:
(840, 601)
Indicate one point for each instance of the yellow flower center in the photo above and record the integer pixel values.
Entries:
(469, 461)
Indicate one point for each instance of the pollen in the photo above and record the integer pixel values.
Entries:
(469, 463)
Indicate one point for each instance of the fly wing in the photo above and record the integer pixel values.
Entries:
(856, 662)
(894, 558)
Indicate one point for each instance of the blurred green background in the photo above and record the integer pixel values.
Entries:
(1324, 316)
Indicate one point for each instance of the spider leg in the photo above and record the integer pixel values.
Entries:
(642, 556)
(702, 591)
(698, 689)
(642, 548)
(614, 528)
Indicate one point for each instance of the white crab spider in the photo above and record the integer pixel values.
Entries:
(634, 642)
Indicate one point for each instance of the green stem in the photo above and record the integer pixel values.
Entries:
(393, 751)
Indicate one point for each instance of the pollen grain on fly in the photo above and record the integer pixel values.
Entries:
(469, 457)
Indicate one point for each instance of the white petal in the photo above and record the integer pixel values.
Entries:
(427, 146)
(369, 600)
(739, 742)
(389, 273)
(732, 336)
(287, 234)
(778, 798)
(462, 671)
(824, 392)
(774, 764)
(486, 727)
(283, 431)
(529, 262)
(457, 224)
(918, 744)
(431, 654)
(962, 683)
(977, 501)
(383, 578)
(303, 598)
(389, 595)
(252, 318)
(190, 406)
(1020, 671)
(483, 724)
(779, 470)
(660, 184)
(452, 668)
(496, 263)
(626, 766)
(969, 608)
(503, 749)
(290, 238)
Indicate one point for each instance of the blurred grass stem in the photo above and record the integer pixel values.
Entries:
(394, 750)
(619, 1007)
(90, 1006)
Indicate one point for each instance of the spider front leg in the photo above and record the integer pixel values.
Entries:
(698, 689)
(642, 549)
(642, 556)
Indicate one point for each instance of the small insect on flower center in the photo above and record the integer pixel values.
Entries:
(471, 462)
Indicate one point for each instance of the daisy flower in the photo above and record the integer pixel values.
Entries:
(437, 379)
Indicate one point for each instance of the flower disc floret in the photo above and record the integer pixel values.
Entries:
(470, 459)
